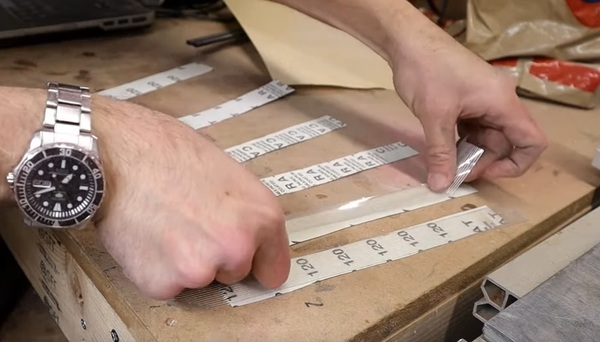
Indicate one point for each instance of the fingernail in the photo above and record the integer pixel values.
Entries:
(437, 182)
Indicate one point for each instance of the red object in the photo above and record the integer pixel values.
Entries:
(570, 74)
(506, 62)
(587, 12)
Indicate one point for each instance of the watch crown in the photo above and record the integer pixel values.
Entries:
(10, 178)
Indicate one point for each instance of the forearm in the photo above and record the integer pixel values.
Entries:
(20, 115)
(394, 29)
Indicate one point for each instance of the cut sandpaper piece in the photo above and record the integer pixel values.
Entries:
(352, 257)
(155, 82)
(238, 106)
(467, 157)
(315, 175)
(563, 308)
(284, 138)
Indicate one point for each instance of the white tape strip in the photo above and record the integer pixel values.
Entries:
(364, 210)
(284, 138)
(308, 269)
(243, 104)
(319, 174)
(157, 81)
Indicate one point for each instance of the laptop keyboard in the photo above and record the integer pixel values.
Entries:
(39, 10)
(31, 10)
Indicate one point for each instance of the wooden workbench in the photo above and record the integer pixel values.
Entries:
(90, 298)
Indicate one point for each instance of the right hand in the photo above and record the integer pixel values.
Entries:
(180, 212)
(451, 89)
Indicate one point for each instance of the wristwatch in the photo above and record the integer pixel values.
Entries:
(59, 182)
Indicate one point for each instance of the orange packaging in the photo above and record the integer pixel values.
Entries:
(568, 83)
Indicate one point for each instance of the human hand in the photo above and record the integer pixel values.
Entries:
(450, 89)
(180, 212)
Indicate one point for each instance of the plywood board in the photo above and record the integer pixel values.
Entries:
(362, 306)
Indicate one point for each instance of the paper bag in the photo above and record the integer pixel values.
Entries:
(568, 83)
(560, 29)
(299, 50)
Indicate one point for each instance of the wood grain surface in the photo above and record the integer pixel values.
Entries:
(368, 305)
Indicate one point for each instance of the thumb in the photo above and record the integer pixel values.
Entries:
(441, 153)
(271, 266)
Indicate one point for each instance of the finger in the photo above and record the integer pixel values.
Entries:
(229, 277)
(441, 152)
(238, 263)
(528, 140)
(271, 264)
(514, 165)
(155, 284)
(495, 145)
(198, 277)
(488, 159)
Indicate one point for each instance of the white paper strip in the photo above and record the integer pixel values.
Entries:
(157, 81)
(308, 269)
(243, 104)
(284, 138)
(302, 179)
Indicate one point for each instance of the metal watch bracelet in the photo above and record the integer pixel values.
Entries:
(67, 117)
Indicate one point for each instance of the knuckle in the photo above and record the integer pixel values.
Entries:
(518, 171)
(275, 218)
(441, 113)
(544, 142)
(439, 155)
(155, 288)
(238, 258)
(164, 292)
(504, 80)
(507, 82)
(197, 275)
(192, 269)
(272, 216)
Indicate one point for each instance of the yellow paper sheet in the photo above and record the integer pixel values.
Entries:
(300, 50)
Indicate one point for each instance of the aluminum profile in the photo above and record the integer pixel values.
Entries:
(518, 277)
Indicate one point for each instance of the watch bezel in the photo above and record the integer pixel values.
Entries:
(60, 224)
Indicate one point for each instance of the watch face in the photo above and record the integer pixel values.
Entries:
(59, 187)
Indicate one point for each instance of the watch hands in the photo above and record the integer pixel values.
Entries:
(67, 179)
(43, 191)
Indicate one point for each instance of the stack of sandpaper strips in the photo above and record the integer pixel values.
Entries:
(549, 293)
